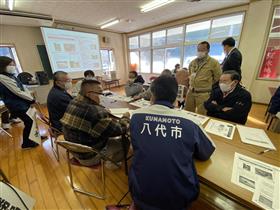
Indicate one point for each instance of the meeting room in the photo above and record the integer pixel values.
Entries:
(140, 105)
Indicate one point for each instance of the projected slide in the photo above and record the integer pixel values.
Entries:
(72, 51)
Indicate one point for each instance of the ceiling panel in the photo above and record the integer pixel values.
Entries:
(95, 12)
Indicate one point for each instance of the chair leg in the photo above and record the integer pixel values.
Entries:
(270, 122)
(54, 148)
(7, 133)
(81, 190)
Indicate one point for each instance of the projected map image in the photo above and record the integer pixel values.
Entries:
(72, 51)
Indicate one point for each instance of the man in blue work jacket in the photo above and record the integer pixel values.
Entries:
(162, 174)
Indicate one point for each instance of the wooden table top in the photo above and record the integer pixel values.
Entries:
(216, 172)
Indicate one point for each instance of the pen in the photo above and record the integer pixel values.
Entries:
(264, 151)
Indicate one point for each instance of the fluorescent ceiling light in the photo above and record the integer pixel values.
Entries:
(10, 4)
(110, 23)
(154, 5)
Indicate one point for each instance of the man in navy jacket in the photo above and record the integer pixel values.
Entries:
(162, 174)
(59, 98)
(233, 59)
(229, 100)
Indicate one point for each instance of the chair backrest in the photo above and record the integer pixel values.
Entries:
(74, 147)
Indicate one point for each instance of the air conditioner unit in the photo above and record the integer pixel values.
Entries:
(25, 19)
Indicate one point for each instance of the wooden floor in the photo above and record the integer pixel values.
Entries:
(39, 174)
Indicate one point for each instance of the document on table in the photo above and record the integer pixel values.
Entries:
(220, 128)
(196, 118)
(141, 103)
(120, 98)
(258, 177)
(255, 136)
(118, 112)
(34, 134)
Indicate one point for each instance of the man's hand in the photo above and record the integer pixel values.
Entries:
(225, 109)
(127, 115)
(214, 102)
(136, 97)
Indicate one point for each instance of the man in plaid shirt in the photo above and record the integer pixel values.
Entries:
(87, 122)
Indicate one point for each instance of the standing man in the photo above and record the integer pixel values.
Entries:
(233, 59)
(162, 173)
(204, 72)
(59, 98)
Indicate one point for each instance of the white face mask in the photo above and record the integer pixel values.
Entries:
(225, 87)
(68, 85)
(201, 54)
(11, 69)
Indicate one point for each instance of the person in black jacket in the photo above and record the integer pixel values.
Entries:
(16, 97)
(229, 101)
(233, 59)
(58, 98)
(275, 102)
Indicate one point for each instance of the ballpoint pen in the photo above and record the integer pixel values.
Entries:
(264, 151)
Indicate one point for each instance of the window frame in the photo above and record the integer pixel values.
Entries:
(15, 57)
(115, 66)
(182, 44)
(264, 49)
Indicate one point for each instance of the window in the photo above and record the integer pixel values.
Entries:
(108, 61)
(156, 50)
(158, 60)
(172, 57)
(175, 35)
(133, 42)
(145, 62)
(134, 60)
(10, 51)
(197, 31)
(189, 54)
(270, 67)
(227, 26)
(145, 40)
(159, 38)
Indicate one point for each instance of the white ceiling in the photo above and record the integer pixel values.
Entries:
(94, 12)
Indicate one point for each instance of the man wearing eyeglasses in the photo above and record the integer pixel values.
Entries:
(87, 122)
(58, 98)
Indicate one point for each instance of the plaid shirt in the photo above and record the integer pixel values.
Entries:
(85, 122)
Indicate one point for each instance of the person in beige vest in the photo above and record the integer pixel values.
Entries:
(204, 72)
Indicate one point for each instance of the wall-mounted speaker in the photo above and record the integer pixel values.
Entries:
(42, 77)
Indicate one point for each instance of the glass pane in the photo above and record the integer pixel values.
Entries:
(270, 68)
(158, 60)
(159, 38)
(145, 40)
(112, 60)
(133, 42)
(175, 35)
(172, 57)
(145, 61)
(134, 61)
(276, 22)
(105, 60)
(189, 54)
(217, 51)
(226, 26)
(197, 31)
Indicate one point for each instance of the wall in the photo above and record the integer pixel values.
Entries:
(26, 38)
(252, 42)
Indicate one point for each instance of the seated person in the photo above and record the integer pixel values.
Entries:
(134, 85)
(164, 144)
(229, 101)
(275, 103)
(87, 122)
(88, 74)
(58, 98)
(146, 94)
(182, 77)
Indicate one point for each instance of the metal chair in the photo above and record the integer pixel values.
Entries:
(54, 133)
(79, 148)
(275, 119)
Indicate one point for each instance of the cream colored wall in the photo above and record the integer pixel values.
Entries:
(252, 43)
(25, 40)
